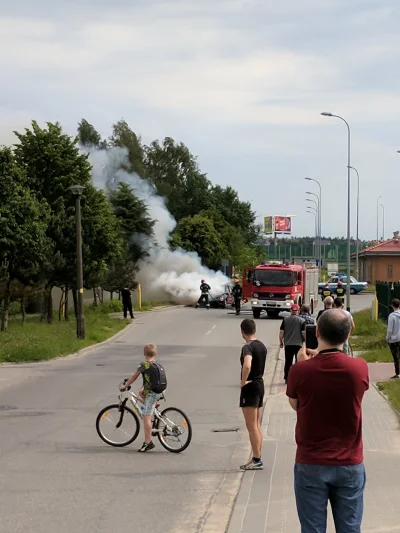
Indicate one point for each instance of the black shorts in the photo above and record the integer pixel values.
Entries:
(252, 394)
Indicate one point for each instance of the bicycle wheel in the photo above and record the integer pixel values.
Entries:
(174, 430)
(117, 426)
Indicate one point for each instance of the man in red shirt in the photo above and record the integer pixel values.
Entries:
(326, 389)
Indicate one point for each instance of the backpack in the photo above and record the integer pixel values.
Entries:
(158, 378)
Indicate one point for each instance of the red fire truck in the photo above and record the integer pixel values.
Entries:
(274, 286)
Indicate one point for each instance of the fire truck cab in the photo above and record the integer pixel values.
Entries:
(274, 286)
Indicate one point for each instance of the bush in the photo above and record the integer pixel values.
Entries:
(111, 306)
(14, 308)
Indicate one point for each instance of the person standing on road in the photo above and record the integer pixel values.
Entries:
(252, 360)
(326, 388)
(328, 304)
(393, 336)
(326, 291)
(340, 290)
(127, 302)
(339, 304)
(237, 295)
(291, 336)
(205, 290)
(305, 314)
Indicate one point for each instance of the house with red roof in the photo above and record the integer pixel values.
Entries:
(381, 262)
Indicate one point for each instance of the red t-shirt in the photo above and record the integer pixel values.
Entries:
(329, 389)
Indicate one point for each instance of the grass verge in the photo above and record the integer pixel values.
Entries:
(391, 389)
(37, 341)
(370, 338)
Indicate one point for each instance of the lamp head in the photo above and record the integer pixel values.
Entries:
(326, 114)
(77, 189)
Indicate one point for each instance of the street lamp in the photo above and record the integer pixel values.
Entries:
(80, 318)
(319, 218)
(326, 114)
(377, 218)
(313, 212)
(358, 216)
(383, 222)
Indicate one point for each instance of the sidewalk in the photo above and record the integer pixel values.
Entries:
(266, 504)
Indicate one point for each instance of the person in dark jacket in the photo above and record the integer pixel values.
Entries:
(237, 296)
(340, 291)
(127, 302)
(205, 290)
(326, 291)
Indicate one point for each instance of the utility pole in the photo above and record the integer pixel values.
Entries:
(80, 318)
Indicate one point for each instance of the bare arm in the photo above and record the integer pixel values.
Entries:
(131, 380)
(293, 403)
(246, 369)
(281, 334)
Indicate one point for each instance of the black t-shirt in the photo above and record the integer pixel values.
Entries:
(320, 313)
(237, 291)
(258, 351)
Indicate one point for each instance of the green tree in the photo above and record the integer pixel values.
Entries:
(124, 136)
(198, 234)
(23, 221)
(89, 136)
(177, 177)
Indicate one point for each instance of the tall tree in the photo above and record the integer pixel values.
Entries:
(89, 136)
(176, 174)
(23, 221)
(124, 137)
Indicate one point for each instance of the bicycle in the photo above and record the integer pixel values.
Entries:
(125, 422)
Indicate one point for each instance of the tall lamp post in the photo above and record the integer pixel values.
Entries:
(348, 295)
(312, 211)
(358, 218)
(319, 217)
(317, 251)
(77, 190)
(383, 222)
(377, 218)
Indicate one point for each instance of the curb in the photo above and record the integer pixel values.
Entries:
(93, 347)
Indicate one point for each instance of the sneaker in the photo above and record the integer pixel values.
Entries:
(259, 465)
(146, 447)
(395, 377)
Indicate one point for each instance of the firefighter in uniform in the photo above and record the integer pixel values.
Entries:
(204, 289)
(326, 291)
(340, 291)
(237, 295)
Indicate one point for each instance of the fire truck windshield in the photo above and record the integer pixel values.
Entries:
(277, 278)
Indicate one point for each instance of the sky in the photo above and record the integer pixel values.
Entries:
(241, 82)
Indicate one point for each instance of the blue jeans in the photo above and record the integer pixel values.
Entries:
(342, 486)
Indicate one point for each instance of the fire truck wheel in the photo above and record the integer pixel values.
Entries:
(256, 312)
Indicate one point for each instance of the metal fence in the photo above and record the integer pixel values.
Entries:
(385, 292)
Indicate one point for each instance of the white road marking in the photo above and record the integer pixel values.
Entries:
(209, 331)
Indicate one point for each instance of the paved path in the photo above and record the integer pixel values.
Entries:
(266, 499)
(57, 475)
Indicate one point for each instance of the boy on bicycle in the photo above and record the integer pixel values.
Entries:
(148, 369)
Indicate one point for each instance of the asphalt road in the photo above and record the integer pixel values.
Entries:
(56, 474)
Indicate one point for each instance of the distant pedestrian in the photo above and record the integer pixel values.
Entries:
(237, 295)
(326, 291)
(393, 336)
(252, 360)
(205, 291)
(328, 304)
(326, 388)
(127, 302)
(305, 314)
(340, 290)
(291, 337)
(339, 304)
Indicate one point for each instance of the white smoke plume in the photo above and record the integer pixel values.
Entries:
(164, 274)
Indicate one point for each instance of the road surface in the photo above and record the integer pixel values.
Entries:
(57, 475)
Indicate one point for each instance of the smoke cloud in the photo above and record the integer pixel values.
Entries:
(164, 274)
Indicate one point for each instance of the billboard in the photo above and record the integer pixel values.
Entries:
(282, 225)
(268, 224)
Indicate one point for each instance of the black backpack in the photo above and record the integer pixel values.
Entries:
(158, 378)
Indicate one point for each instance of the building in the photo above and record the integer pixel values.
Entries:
(381, 262)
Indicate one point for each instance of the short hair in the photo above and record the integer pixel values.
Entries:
(396, 303)
(305, 309)
(338, 302)
(150, 350)
(334, 327)
(248, 326)
(328, 300)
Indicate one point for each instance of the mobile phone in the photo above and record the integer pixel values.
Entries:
(311, 337)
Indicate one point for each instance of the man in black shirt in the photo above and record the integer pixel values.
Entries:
(127, 302)
(237, 295)
(328, 304)
(204, 289)
(252, 359)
